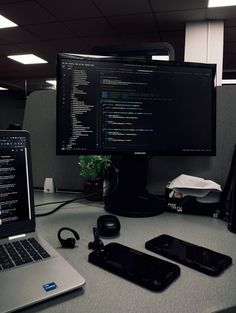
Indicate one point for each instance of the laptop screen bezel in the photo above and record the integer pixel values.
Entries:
(22, 227)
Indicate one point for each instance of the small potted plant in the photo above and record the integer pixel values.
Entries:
(94, 169)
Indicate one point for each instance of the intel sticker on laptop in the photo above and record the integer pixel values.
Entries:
(49, 287)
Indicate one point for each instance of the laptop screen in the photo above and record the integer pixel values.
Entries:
(15, 181)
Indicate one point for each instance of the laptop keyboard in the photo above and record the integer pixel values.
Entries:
(21, 252)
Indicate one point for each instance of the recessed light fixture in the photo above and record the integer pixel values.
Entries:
(228, 81)
(161, 57)
(27, 59)
(53, 83)
(3, 88)
(95, 56)
(5, 23)
(221, 3)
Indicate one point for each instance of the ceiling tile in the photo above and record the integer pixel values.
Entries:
(3, 42)
(173, 5)
(177, 20)
(69, 45)
(37, 69)
(173, 37)
(90, 27)
(16, 35)
(77, 26)
(30, 71)
(9, 50)
(221, 13)
(138, 23)
(93, 42)
(123, 7)
(72, 9)
(27, 12)
(141, 38)
(42, 49)
(50, 30)
(9, 67)
(9, 1)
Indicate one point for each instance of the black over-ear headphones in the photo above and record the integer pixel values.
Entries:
(68, 242)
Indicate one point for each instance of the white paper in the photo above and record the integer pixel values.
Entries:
(199, 193)
(194, 186)
(212, 197)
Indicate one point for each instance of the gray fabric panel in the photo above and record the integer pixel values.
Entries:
(40, 120)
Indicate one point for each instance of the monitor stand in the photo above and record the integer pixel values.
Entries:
(127, 194)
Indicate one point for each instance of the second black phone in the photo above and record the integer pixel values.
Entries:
(199, 258)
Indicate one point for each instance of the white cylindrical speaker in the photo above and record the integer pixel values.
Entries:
(49, 185)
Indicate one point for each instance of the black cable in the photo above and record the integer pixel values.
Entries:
(47, 203)
(59, 206)
(116, 180)
(78, 198)
(69, 201)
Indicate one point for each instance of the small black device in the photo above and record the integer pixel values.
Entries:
(199, 258)
(108, 225)
(68, 242)
(97, 244)
(136, 266)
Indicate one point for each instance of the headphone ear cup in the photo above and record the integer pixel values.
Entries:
(68, 242)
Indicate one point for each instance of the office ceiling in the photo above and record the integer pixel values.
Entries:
(50, 26)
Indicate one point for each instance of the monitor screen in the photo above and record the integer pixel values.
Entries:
(120, 106)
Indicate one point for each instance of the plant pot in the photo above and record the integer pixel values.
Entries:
(93, 189)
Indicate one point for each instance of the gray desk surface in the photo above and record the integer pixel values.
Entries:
(192, 292)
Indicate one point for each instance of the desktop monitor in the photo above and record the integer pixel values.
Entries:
(132, 109)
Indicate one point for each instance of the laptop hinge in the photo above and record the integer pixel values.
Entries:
(16, 237)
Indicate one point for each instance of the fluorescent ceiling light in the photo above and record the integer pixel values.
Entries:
(161, 57)
(95, 56)
(228, 81)
(53, 83)
(5, 23)
(221, 3)
(27, 59)
(2, 88)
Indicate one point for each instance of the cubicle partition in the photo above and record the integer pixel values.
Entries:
(40, 121)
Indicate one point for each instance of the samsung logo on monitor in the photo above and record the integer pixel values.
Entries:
(140, 153)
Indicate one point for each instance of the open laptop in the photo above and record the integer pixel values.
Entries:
(30, 270)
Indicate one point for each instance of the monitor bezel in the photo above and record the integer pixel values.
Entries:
(28, 225)
(134, 60)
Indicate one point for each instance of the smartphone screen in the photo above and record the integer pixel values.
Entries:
(194, 256)
(138, 267)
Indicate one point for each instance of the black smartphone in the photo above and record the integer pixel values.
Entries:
(141, 268)
(199, 258)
